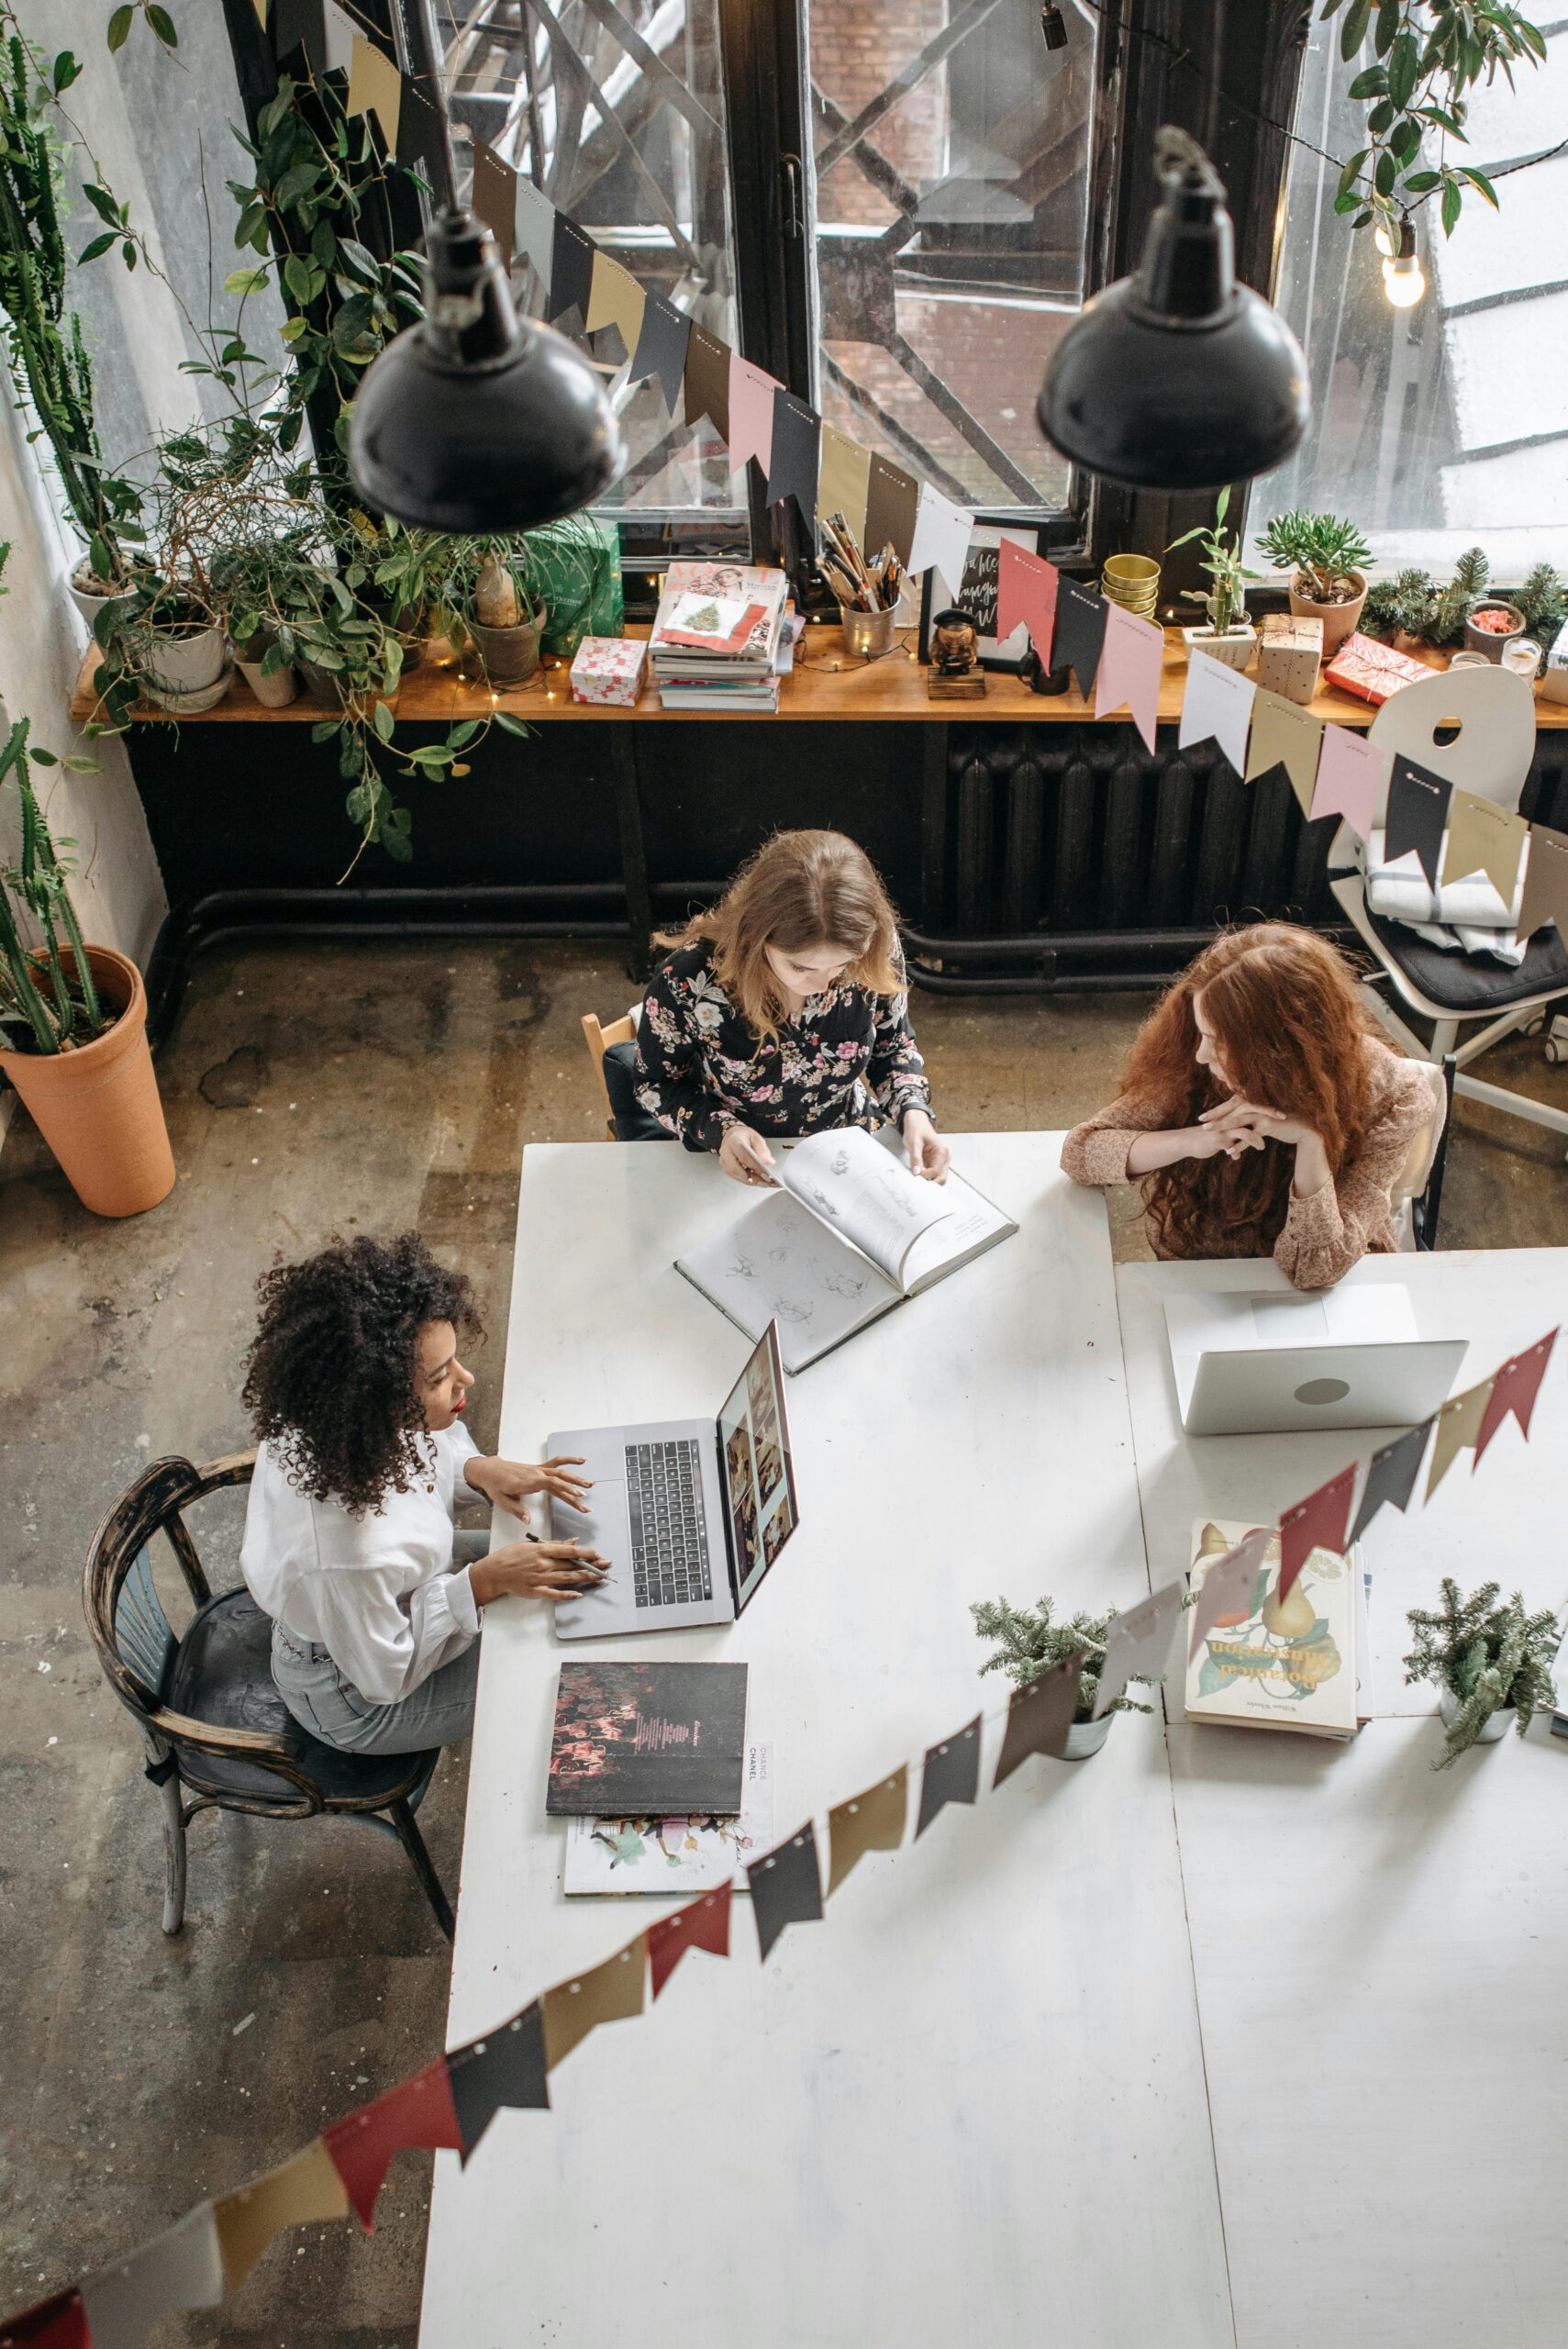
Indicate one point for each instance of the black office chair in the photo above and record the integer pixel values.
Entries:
(211, 1718)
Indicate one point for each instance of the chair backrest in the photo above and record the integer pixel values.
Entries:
(1490, 754)
(1423, 1150)
(619, 1031)
(125, 1615)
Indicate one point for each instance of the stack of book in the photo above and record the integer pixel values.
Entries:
(715, 642)
(1300, 1663)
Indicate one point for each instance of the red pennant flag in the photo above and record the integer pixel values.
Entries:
(1515, 1390)
(1026, 597)
(60, 2323)
(1317, 1522)
(703, 1923)
(416, 2112)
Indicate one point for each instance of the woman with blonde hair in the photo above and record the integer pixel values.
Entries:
(1262, 1111)
(782, 1011)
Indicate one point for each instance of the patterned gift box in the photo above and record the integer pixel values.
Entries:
(1372, 671)
(609, 669)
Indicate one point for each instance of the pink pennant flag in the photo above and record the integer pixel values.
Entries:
(1227, 1588)
(1316, 1523)
(1514, 1390)
(1351, 772)
(1025, 597)
(1130, 661)
(750, 413)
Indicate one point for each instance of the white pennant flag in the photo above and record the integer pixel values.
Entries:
(534, 238)
(182, 2269)
(1227, 1588)
(1139, 1641)
(1217, 702)
(942, 538)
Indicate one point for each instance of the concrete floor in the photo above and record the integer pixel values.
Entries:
(311, 1090)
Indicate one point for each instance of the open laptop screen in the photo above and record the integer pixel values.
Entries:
(759, 1476)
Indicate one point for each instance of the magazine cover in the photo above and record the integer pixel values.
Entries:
(1280, 1664)
(687, 1852)
(648, 1738)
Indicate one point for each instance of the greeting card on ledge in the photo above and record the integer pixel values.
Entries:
(649, 1739)
(688, 1852)
(1270, 1662)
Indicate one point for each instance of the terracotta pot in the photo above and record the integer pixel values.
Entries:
(98, 1108)
(1340, 620)
(274, 692)
(510, 655)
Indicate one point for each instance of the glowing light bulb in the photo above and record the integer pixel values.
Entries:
(1402, 281)
(1382, 237)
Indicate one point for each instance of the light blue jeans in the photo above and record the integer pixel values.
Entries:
(439, 1712)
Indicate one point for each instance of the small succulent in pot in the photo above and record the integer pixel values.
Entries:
(1487, 1659)
(1327, 556)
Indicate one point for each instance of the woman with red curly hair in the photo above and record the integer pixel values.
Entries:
(1262, 1111)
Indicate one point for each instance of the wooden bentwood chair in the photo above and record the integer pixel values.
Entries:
(613, 1052)
(211, 1721)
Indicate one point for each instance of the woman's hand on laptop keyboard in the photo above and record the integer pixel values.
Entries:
(550, 1570)
(508, 1483)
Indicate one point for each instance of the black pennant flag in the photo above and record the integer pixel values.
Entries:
(300, 23)
(786, 1888)
(1080, 631)
(1391, 1475)
(662, 347)
(495, 198)
(1417, 811)
(419, 137)
(797, 446)
(507, 2066)
(1039, 1716)
(707, 380)
(571, 272)
(951, 1774)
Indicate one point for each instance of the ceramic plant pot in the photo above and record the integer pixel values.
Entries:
(510, 655)
(1087, 1737)
(1235, 648)
(1490, 640)
(183, 662)
(88, 601)
(274, 692)
(97, 1108)
(1500, 1723)
(1340, 620)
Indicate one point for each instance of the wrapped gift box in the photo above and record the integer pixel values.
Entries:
(1554, 668)
(1289, 651)
(1372, 671)
(611, 669)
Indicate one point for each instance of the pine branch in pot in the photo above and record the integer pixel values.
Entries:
(1228, 636)
(1492, 1664)
(1327, 559)
(1029, 1645)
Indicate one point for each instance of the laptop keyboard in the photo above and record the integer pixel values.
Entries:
(669, 1535)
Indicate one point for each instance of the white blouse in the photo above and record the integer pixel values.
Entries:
(378, 1591)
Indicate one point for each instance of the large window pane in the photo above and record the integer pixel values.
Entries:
(951, 154)
(616, 107)
(1446, 426)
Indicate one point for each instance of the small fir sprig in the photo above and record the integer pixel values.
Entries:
(1487, 1655)
(1029, 1645)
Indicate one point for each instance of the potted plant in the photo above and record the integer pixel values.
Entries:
(1491, 623)
(403, 578)
(1412, 610)
(1325, 559)
(1228, 635)
(259, 583)
(1492, 1664)
(1031, 1644)
(495, 610)
(73, 1022)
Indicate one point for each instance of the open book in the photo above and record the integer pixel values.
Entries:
(850, 1234)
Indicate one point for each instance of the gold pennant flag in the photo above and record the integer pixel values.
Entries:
(375, 86)
(307, 2189)
(843, 477)
(1285, 735)
(615, 299)
(1483, 838)
(1459, 1424)
(1546, 883)
(870, 1823)
(609, 1993)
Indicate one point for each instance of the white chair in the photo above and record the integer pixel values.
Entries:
(1489, 715)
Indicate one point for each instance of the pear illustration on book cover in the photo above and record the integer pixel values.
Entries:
(1286, 1663)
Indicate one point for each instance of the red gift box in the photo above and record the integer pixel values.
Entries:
(1372, 671)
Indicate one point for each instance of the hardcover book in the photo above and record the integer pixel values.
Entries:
(1289, 1664)
(649, 1739)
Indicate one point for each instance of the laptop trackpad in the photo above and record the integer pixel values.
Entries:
(602, 1527)
(1289, 1322)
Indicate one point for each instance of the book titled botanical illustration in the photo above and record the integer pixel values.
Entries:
(690, 1852)
(1278, 1662)
(649, 1739)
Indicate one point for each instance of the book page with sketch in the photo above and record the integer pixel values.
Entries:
(863, 1192)
(780, 1263)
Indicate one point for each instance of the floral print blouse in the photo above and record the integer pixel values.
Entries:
(848, 1060)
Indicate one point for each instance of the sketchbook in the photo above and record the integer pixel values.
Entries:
(850, 1234)
(687, 1852)
(1299, 1664)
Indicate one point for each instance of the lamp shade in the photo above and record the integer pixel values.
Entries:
(1178, 378)
(473, 420)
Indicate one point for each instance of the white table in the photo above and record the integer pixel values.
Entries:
(1380, 1949)
(969, 2106)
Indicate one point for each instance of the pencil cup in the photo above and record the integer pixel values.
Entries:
(868, 634)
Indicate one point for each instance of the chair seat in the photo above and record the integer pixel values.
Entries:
(632, 1121)
(1468, 984)
(223, 1674)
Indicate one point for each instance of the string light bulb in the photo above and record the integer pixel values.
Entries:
(1403, 279)
(1383, 238)
(1052, 26)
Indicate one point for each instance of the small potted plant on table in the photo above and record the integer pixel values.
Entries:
(496, 610)
(1029, 1644)
(1228, 635)
(1492, 1664)
(1325, 559)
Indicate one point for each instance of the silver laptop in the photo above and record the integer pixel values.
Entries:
(1349, 1358)
(690, 1513)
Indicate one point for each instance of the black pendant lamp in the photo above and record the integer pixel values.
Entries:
(1178, 378)
(474, 419)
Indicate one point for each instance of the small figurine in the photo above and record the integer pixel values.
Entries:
(955, 674)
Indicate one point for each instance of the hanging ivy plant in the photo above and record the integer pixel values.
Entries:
(1427, 54)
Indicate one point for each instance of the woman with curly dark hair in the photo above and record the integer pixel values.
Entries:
(1262, 1111)
(356, 1392)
